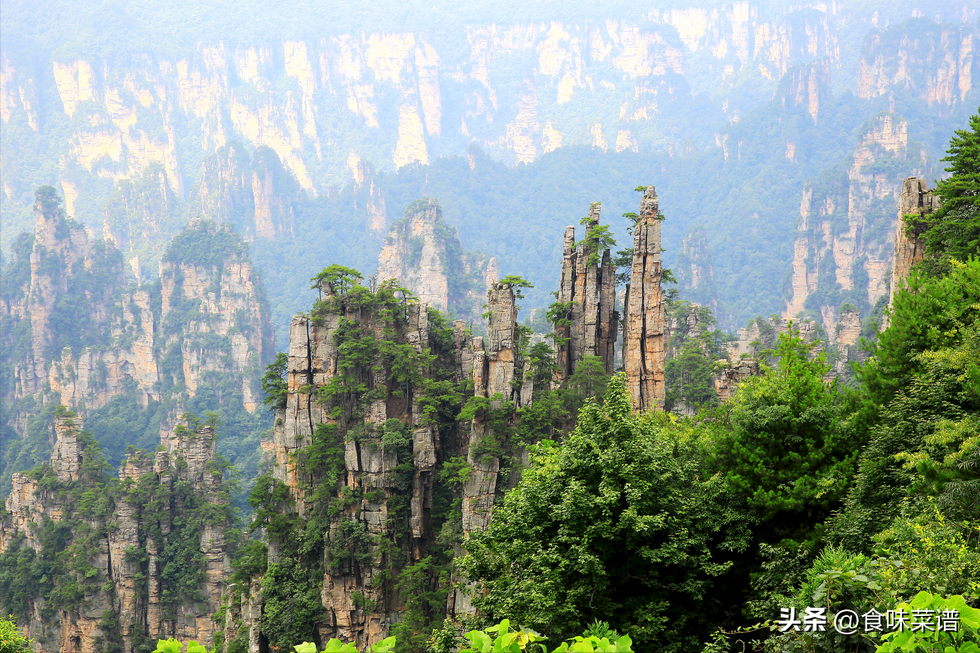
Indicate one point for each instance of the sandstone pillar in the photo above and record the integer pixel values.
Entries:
(643, 339)
(590, 288)
(915, 199)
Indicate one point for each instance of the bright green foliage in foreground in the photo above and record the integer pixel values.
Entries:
(336, 646)
(333, 646)
(11, 641)
(963, 641)
(501, 639)
(172, 645)
(795, 493)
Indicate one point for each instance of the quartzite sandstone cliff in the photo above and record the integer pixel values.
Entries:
(916, 200)
(123, 545)
(425, 255)
(79, 336)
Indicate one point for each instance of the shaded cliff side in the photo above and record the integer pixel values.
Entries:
(390, 435)
(643, 310)
(915, 199)
(843, 248)
(587, 297)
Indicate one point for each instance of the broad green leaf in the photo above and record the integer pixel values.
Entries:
(922, 600)
(305, 647)
(384, 646)
(168, 646)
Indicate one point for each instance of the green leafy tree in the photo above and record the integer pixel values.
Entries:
(788, 448)
(597, 240)
(688, 377)
(617, 524)
(338, 278)
(953, 231)
(928, 314)
(11, 641)
(517, 283)
(925, 444)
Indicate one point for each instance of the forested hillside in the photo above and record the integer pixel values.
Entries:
(422, 481)
(479, 327)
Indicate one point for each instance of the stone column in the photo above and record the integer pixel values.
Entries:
(643, 339)
(915, 199)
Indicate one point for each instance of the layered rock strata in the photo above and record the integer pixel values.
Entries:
(256, 194)
(588, 287)
(643, 311)
(78, 335)
(318, 359)
(498, 374)
(843, 236)
(315, 360)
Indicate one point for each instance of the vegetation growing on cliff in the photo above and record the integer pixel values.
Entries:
(65, 572)
(952, 233)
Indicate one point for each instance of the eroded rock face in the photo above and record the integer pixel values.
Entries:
(643, 309)
(589, 286)
(414, 254)
(319, 357)
(123, 549)
(425, 255)
(315, 360)
(843, 236)
(111, 336)
(915, 199)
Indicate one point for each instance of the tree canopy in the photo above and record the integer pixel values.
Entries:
(616, 524)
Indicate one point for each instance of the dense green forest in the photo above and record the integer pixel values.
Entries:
(191, 169)
(797, 493)
(719, 531)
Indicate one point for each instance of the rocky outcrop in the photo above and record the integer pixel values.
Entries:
(316, 360)
(124, 558)
(842, 249)
(254, 193)
(919, 58)
(727, 380)
(643, 310)
(915, 200)
(223, 318)
(498, 375)
(414, 253)
(425, 255)
(762, 333)
(57, 265)
(588, 289)
(395, 511)
(81, 337)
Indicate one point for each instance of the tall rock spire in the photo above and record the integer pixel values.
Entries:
(915, 199)
(589, 289)
(643, 338)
